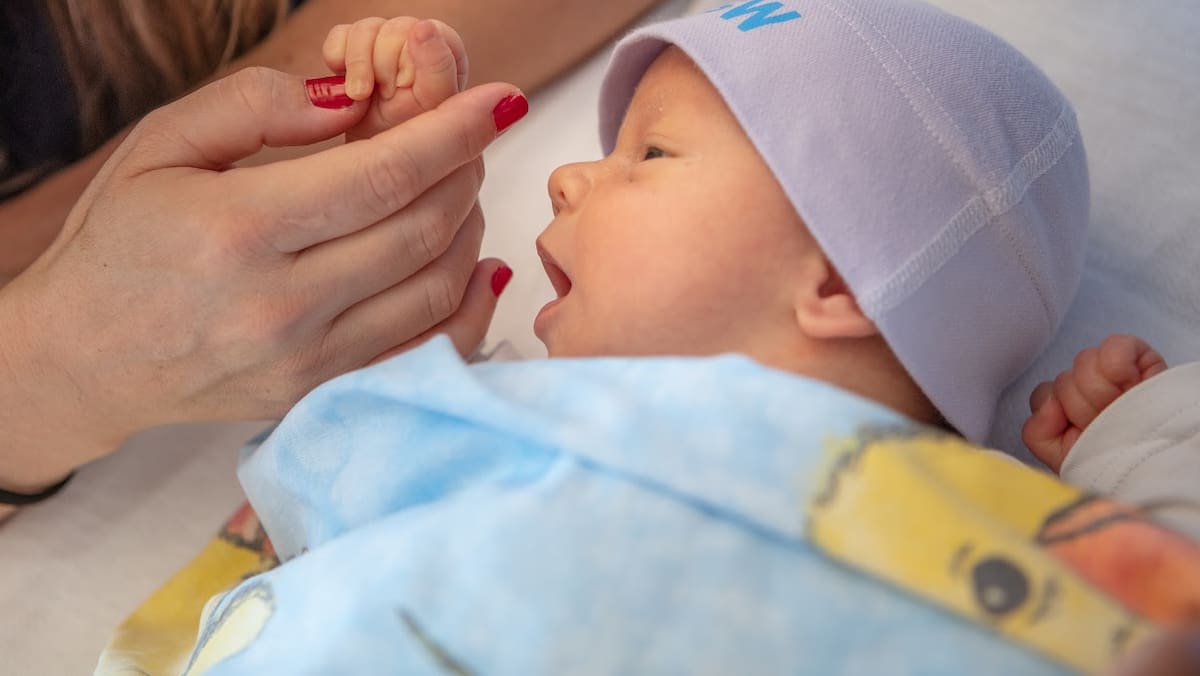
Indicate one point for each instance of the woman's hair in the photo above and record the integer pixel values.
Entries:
(127, 57)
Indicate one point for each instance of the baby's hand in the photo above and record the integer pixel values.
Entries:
(410, 65)
(1064, 408)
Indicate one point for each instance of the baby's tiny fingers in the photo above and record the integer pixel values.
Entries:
(1151, 363)
(1096, 388)
(1044, 432)
(334, 49)
(390, 53)
(1041, 394)
(459, 49)
(1080, 411)
(360, 51)
(436, 70)
(1119, 360)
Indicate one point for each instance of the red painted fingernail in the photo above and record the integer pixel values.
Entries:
(500, 279)
(328, 92)
(509, 111)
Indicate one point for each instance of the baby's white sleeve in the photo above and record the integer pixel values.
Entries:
(1145, 449)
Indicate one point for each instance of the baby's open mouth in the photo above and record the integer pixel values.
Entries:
(558, 279)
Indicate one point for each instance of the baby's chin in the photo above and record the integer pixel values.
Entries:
(560, 348)
(569, 340)
(562, 338)
(557, 349)
(563, 347)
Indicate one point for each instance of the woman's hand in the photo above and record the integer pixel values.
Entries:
(181, 289)
(527, 42)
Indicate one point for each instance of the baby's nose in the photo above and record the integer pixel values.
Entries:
(569, 185)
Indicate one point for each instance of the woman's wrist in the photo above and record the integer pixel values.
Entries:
(45, 429)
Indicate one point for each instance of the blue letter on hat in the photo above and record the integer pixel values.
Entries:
(762, 14)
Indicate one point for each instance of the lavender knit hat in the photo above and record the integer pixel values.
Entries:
(939, 169)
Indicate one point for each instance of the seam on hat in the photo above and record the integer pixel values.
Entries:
(975, 214)
(1032, 275)
(905, 91)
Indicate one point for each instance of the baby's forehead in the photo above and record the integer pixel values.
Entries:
(672, 83)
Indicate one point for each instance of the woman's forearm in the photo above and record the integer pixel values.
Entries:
(42, 438)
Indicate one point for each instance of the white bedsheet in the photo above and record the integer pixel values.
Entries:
(71, 569)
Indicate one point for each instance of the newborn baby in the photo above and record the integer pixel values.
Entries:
(877, 213)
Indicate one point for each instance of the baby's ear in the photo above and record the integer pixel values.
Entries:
(825, 307)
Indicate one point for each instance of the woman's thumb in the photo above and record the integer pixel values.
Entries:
(236, 116)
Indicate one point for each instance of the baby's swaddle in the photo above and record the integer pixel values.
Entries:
(649, 516)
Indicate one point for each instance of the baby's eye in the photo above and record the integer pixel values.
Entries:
(653, 153)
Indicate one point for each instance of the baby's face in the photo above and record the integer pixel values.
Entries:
(680, 242)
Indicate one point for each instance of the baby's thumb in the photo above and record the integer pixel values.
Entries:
(1045, 432)
(435, 66)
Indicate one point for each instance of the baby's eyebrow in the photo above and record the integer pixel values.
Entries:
(641, 116)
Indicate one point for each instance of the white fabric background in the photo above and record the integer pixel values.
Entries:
(71, 569)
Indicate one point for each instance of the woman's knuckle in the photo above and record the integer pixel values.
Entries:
(441, 301)
(467, 137)
(431, 235)
(249, 84)
(394, 179)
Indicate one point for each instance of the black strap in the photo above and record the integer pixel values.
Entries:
(21, 499)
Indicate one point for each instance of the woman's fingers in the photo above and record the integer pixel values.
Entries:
(411, 307)
(307, 201)
(367, 262)
(468, 326)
